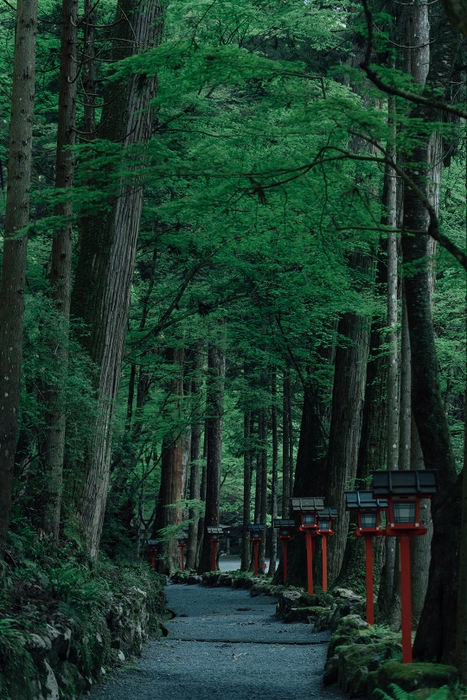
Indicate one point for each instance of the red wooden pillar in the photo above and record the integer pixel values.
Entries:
(324, 561)
(182, 553)
(406, 602)
(309, 560)
(284, 547)
(213, 555)
(256, 556)
(370, 610)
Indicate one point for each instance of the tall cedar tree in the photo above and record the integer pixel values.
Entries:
(60, 274)
(15, 248)
(101, 294)
(214, 426)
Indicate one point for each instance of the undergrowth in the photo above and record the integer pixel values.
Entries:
(43, 583)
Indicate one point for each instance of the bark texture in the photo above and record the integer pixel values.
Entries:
(214, 427)
(14, 249)
(195, 456)
(287, 450)
(246, 553)
(107, 255)
(310, 477)
(346, 422)
(275, 474)
(169, 510)
(60, 275)
(436, 631)
(435, 638)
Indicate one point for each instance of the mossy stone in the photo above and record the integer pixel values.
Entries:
(302, 614)
(356, 663)
(411, 677)
(424, 693)
(321, 599)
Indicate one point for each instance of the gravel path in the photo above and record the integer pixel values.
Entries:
(225, 645)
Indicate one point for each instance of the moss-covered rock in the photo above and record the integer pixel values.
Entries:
(210, 578)
(331, 670)
(443, 693)
(412, 677)
(322, 619)
(321, 599)
(329, 608)
(355, 653)
(356, 662)
(295, 599)
(306, 614)
(287, 600)
(64, 656)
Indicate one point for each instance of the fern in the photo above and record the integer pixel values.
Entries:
(398, 693)
(401, 694)
(381, 694)
(8, 627)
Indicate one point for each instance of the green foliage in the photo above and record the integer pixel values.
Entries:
(74, 584)
(256, 196)
(46, 584)
(397, 693)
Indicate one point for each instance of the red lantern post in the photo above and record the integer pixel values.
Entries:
(214, 537)
(153, 549)
(182, 542)
(285, 535)
(404, 491)
(308, 509)
(325, 518)
(368, 510)
(256, 537)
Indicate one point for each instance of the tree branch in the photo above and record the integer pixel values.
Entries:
(392, 90)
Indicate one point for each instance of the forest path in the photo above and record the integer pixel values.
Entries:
(225, 645)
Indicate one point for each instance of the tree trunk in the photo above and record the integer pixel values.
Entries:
(186, 458)
(246, 550)
(346, 422)
(435, 638)
(435, 635)
(169, 510)
(14, 249)
(405, 391)
(461, 637)
(88, 72)
(393, 356)
(309, 480)
(286, 445)
(107, 256)
(214, 426)
(373, 445)
(420, 547)
(263, 466)
(275, 474)
(60, 276)
(201, 537)
(195, 464)
(389, 593)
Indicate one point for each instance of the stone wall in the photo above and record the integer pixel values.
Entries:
(67, 655)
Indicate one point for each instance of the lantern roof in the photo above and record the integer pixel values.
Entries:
(328, 513)
(214, 530)
(284, 522)
(413, 482)
(307, 505)
(364, 500)
(255, 527)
